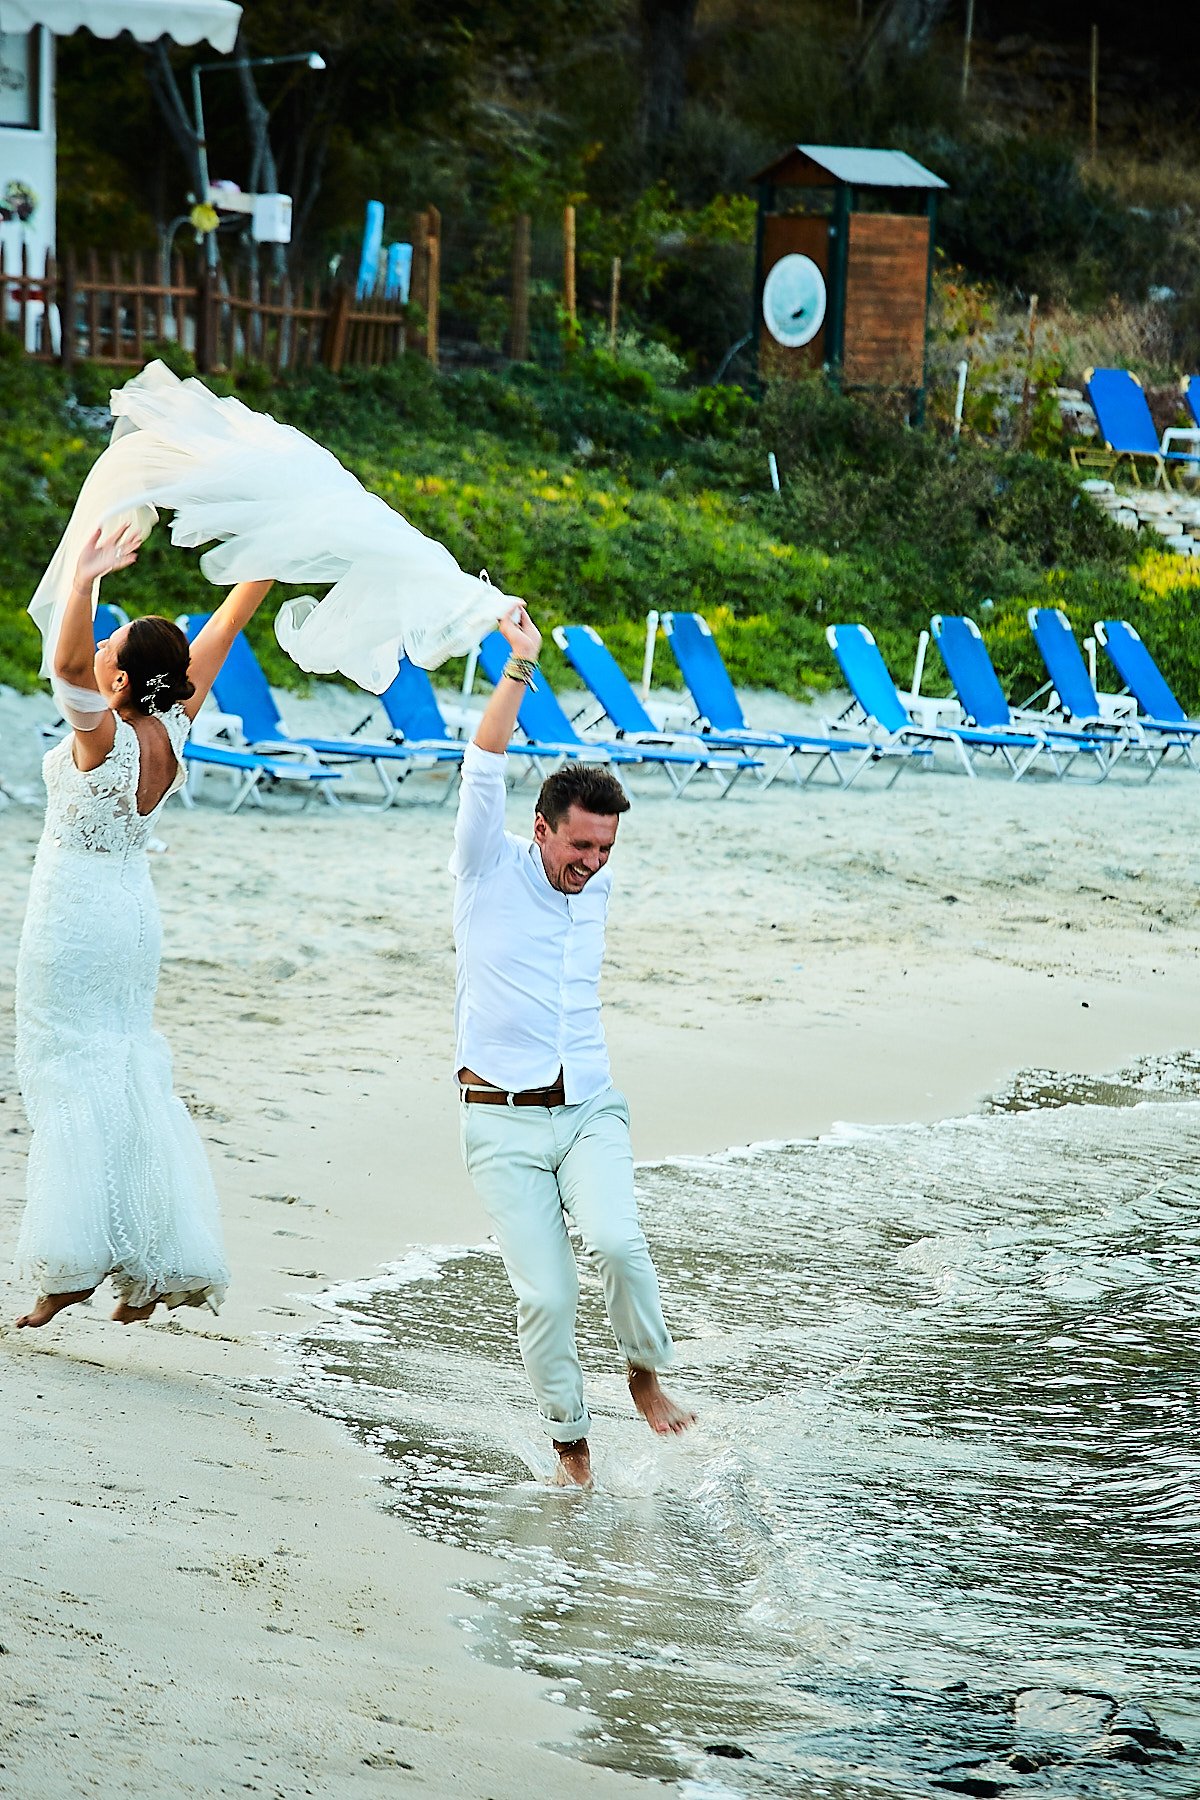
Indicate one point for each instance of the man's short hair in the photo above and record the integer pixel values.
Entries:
(593, 789)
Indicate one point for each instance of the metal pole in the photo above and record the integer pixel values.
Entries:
(1095, 84)
(960, 396)
(919, 665)
(210, 237)
(648, 653)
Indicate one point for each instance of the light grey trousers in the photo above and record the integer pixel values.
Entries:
(534, 1168)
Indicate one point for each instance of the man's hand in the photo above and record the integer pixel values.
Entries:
(521, 634)
(500, 715)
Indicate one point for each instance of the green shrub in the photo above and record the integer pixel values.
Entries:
(666, 505)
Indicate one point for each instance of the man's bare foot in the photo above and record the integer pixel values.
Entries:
(49, 1305)
(660, 1412)
(574, 1464)
(133, 1315)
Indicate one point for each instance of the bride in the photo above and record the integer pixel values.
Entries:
(118, 1183)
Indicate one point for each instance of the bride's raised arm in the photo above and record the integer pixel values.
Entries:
(74, 664)
(214, 640)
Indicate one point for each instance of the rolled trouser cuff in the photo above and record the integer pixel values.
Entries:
(657, 1356)
(567, 1431)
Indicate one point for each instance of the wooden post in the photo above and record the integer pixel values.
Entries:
(139, 311)
(614, 303)
(1027, 385)
(179, 300)
(968, 34)
(435, 283)
(205, 347)
(518, 336)
(569, 266)
(93, 348)
(337, 320)
(66, 312)
(23, 293)
(1094, 111)
(419, 279)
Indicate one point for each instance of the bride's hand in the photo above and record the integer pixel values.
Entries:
(101, 555)
(521, 634)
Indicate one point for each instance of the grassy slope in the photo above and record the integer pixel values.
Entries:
(596, 496)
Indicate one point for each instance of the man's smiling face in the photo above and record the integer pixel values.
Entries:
(576, 849)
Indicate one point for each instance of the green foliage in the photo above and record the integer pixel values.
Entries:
(1022, 211)
(666, 505)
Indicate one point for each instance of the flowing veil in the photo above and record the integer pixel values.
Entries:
(276, 505)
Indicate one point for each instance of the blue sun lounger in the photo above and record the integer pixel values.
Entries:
(719, 714)
(544, 722)
(612, 691)
(965, 655)
(242, 689)
(879, 702)
(249, 769)
(1123, 415)
(1191, 395)
(417, 720)
(255, 772)
(1076, 693)
(1158, 709)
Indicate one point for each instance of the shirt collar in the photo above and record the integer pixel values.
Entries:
(539, 871)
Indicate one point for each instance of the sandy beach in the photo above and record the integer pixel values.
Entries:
(205, 1595)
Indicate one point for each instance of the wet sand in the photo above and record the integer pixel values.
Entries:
(206, 1597)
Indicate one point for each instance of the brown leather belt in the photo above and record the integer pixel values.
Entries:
(473, 1094)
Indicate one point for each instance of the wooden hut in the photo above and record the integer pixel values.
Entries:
(843, 265)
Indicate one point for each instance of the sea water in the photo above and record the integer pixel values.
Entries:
(941, 1511)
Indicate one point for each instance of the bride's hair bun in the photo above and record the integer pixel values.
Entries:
(155, 657)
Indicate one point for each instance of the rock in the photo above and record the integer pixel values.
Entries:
(734, 1751)
(1126, 516)
(984, 1780)
(1134, 1721)
(1118, 1747)
(1057, 1712)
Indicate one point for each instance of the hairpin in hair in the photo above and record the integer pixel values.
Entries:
(153, 688)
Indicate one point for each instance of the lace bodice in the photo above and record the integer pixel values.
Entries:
(96, 809)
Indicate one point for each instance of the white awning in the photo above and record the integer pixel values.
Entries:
(186, 21)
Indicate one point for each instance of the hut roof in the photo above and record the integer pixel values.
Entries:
(856, 167)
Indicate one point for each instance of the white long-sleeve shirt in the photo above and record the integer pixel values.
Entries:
(527, 999)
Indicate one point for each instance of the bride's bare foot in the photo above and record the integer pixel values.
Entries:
(133, 1315)
(48, 1306)
(574, 1464)
(660, 1412)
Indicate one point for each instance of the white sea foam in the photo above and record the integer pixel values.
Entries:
(944, 1433)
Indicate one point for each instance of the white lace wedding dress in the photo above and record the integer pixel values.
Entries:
(118, 1180)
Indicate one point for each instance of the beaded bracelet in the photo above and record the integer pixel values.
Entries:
(522, 669)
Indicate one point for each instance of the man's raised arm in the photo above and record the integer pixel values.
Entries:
(479, 829)
(500, 714)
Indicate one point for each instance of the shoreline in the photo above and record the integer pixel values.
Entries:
(209, 1593)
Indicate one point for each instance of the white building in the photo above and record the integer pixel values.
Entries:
(28, 137)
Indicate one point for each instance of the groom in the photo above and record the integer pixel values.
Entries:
(545, 1134)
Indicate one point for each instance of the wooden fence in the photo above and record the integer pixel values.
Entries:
(116, 311)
